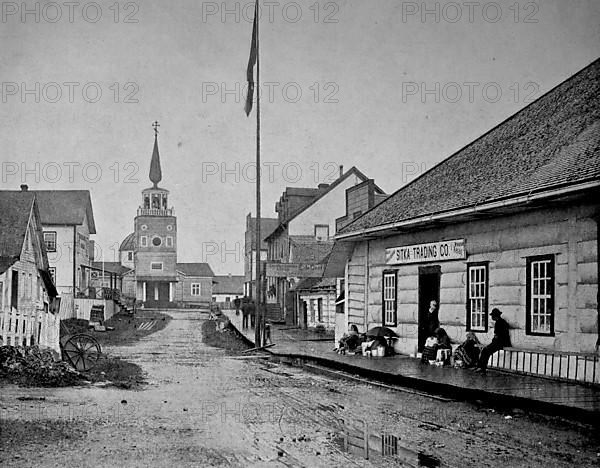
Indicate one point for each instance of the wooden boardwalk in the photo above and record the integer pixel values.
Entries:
(571, 400)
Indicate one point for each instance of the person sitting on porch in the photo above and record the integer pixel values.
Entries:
(501, 340)
(468, 352)
(350, 341)
(430, 350)
(443, 339)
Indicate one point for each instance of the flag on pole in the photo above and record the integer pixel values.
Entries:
(251, 63)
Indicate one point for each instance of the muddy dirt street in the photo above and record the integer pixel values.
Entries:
(204, 406)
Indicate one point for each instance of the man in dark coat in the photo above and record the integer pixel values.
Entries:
(433, 321)
(501, 339)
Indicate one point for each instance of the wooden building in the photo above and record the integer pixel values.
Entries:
(28, 306)
(509, 221)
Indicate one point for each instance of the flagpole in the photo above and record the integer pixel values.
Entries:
(258, 323)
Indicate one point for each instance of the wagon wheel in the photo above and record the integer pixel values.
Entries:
(82, 351)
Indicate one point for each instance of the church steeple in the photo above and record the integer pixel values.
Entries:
(155, 172)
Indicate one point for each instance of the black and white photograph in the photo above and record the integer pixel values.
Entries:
(272, 233)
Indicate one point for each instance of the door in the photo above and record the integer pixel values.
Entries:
(429, 290)
(163, 292)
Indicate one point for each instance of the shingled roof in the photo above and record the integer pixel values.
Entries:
(195, 269)
(552, 143)
(65, 207)
(230, 284)
(15, 209)
(111, 267)
(309, 250)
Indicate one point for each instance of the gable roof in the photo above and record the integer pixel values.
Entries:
(16, 207)
(195, 269)
(65, 207)
(228, 284)
(353, 171)
(554, 142)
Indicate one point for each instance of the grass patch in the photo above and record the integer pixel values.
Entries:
(220, 334)
(126, 327)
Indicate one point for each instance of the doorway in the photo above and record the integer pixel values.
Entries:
(429, 290)
(157, 294)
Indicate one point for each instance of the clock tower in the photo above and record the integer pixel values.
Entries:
(155, 231)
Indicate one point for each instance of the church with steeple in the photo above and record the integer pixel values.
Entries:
(150, 252)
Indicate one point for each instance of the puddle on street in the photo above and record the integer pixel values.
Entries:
(357, 440)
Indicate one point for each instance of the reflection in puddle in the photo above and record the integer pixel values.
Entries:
(358, 440)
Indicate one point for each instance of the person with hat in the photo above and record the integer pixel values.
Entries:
(501, 339)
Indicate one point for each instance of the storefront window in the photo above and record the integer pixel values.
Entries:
(389, 299)
(540, 295)
(477, 297)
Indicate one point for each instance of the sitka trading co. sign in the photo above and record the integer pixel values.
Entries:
(433, 252)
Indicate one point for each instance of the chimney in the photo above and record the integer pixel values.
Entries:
(24, 188)
(341, 170)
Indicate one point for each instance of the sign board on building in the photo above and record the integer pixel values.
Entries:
(295, 270)
(432, 252)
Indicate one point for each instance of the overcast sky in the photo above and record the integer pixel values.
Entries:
(378, 84)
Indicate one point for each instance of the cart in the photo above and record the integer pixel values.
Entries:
(80, 350)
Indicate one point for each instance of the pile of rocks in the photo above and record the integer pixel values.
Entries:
(35, 367)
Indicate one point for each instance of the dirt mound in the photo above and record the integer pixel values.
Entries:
(34, 367)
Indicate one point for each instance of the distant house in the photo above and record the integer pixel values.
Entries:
(227, 288)
(267, 225)
(317, 302)
(28, 314)
(68, 221)
(303, 238)
(195, 284)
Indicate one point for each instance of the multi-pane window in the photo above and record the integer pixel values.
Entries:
(477, 297)
(169, 241)
(156, 266)
(50, 241)
(540, 295)
(389, 298)
(144, 241)
(196, 289)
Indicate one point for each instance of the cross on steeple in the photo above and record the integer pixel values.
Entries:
(155, 125)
